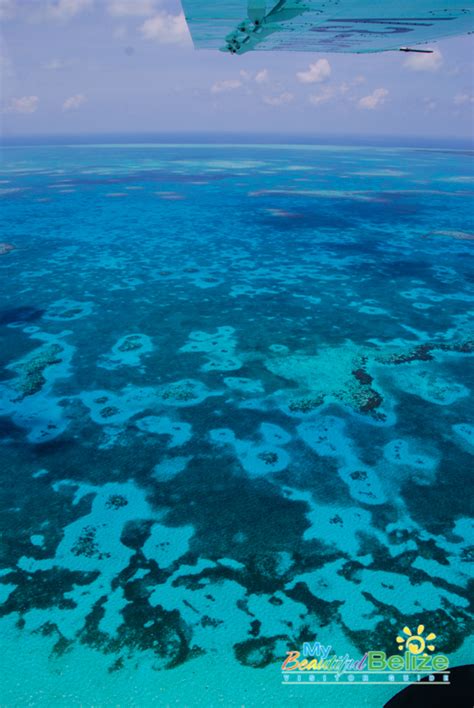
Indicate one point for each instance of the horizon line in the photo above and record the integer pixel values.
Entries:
(247, 138)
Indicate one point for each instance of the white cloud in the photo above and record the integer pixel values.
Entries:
(131, 8)
(166, 28)
(376, 98)
(261, 76)
(74, 102)
(226, 85)
(333, 92)
(323, 96)
(247, 78)
(318, 72)
(424, 62)
(25, 104)
(283, 98)
(462, 99)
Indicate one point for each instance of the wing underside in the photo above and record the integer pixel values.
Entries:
(357, 26)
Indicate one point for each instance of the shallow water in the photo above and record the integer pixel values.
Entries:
(236, 415)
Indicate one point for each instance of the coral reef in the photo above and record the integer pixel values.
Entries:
(31, 371)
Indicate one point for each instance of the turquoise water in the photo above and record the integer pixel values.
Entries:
(236, 415)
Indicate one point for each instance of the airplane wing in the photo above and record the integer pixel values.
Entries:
(359, 26)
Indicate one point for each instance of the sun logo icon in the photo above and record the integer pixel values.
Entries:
(416, 643)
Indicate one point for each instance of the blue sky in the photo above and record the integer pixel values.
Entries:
(104, 66)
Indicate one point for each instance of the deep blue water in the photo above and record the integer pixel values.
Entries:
(236, 414)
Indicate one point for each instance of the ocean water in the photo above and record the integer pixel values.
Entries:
(236, 409)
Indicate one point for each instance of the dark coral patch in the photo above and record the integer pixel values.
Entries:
(258, 653)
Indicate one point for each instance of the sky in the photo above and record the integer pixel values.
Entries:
(129, 66)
